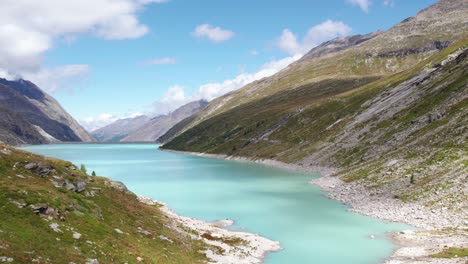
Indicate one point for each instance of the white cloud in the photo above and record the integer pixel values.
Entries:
(92, 123)
(390, 3)
(160, 61)
(144, 2)
(172, 99)
(58, 78)
(329, 29)
(95, 122)
(176, 95)
(28, 28)
(215, 34)
(210, 91)
(133, 115)
(363, 4)
(253, 52)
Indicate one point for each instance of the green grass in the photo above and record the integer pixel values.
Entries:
(452, 253)
(26, 236)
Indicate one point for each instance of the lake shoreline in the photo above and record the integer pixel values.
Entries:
(412, 246)
(251, 249)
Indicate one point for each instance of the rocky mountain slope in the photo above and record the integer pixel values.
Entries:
(390, 113)
(30, 116)
(378, 54)
(120, 129)
(157, 126)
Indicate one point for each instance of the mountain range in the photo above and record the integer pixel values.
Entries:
(31, 116)
(143, 128)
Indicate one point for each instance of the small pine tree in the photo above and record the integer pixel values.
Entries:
(83, 168)
(412, 179)
(93, 173)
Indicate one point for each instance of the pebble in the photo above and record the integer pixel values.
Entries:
(76, 235)
(6, 259)
(55, 227)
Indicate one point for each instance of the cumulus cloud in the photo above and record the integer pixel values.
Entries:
(160, 61)
(176, 95)
(363, 4)
(213, 90)
(329, 29)
(53, 79)
(92, 123)
(215, 34)
(28, 28)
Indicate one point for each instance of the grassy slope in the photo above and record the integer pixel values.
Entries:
(233, 131)
(26, 236)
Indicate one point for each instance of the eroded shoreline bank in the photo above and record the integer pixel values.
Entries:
(437, 230)
(227, 246)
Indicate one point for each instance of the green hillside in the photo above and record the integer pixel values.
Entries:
(51, 212)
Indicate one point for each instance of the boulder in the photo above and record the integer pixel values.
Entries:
(80, 185)
(31, 166)
(40, 208)
(118, 185)
(68, 185)
(5, 151)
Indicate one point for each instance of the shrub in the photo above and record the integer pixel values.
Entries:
(83, 168)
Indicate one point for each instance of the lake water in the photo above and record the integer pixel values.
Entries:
(275, 203)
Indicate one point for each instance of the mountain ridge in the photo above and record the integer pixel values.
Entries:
(144, 128)
(43, 118)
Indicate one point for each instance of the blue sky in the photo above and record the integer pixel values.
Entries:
(119, 69)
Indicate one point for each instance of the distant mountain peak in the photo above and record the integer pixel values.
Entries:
(144, 128)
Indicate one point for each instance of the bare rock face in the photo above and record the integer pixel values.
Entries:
(30, 116)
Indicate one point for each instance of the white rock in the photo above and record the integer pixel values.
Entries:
(55, 227)
(76, 235)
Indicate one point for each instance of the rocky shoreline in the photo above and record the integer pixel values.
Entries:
(437, 229)
(231, 246)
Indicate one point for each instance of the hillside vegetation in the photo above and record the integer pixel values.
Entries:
(52, 212)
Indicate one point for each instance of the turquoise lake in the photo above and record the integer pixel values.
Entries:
(275, 203)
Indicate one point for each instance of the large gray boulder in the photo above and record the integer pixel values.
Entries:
(80, 185)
